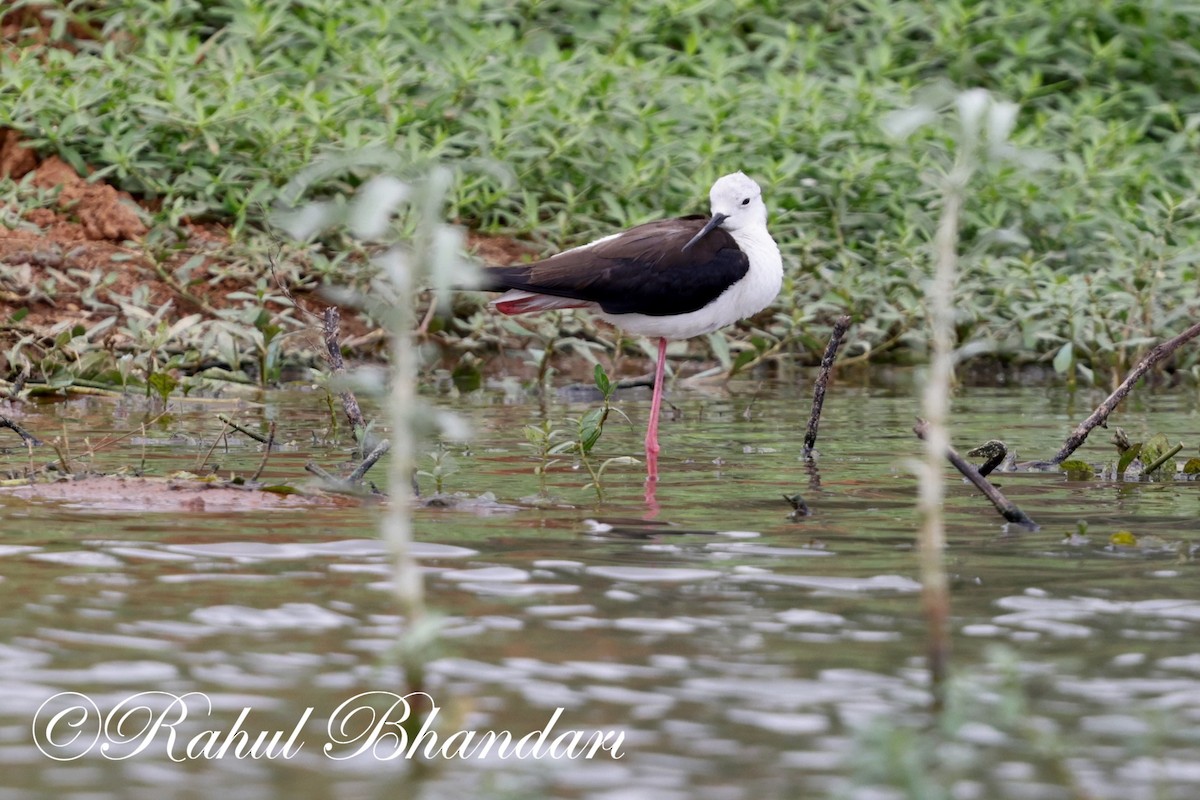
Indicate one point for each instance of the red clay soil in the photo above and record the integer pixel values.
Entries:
(31, 25)
(94, 227)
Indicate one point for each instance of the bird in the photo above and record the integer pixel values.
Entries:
(668, 279)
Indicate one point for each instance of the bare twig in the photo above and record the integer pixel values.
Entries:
(321, 473)
(258, 437)
(63, 461)
(1007, 508)
(284, 287)
(369, 461)
(28, 438)
(266, 454)
(93, 449)
(1158, 353)
(835, 341)
(184, 295)
(216, 441)
(12, 392)
(331, 326)
(423, 328)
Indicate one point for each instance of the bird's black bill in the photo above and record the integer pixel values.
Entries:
(708, 228)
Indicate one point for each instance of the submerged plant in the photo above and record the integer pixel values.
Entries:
(579, 440)
(442, 465)
(589, 428)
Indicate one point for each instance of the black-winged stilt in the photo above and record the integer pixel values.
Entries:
(670, 279)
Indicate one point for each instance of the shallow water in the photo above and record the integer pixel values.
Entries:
(740, 653)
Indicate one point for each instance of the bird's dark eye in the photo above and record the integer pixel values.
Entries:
(746, 202)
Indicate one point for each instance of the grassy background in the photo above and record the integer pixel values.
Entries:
(564, 119)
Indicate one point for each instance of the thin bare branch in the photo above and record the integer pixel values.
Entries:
(1098, 417)
(835, 341)
(1007, 508)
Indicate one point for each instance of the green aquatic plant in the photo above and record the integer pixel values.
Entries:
(579, 439)
(590, 426)
(442, 465)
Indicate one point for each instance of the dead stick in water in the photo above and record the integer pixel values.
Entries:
(1158, 353)
(316, 469)
(1006, 507)
(28, 438)
(266, 454)
(369, 461)
(258, 437)
(835, 341)
(333, 354)
(13, 390)
(216, 441)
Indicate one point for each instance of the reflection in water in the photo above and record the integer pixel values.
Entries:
(740, 653)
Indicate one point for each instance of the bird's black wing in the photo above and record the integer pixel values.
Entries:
(643, 270)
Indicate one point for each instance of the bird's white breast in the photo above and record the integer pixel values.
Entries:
(751, 294)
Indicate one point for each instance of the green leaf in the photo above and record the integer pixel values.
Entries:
(1077, 470)
(263, 323)
(602, 382)
(1192, 467)
(19, 314)
(1157, 446)
(467, 377)
(590, 428)
(617, 461)
(163, 384)
(1123, 539)
(1064, 358)
(536, 435)
(743, 358)
(1127, 457)
(720, 349)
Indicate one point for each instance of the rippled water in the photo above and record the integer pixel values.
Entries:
(742, 654)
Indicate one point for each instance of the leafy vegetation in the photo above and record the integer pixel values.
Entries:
(566, 118)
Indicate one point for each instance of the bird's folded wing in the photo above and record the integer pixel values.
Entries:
(641, 271)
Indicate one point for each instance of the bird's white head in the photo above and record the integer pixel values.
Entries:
(739, 199)
(736, 204)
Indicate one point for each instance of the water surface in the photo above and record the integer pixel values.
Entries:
(740, 652)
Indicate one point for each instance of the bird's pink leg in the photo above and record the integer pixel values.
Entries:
(655, 405)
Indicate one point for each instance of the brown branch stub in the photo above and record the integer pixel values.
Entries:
(1158, 353)
(1007, 508)
(258, 437)
(28, 438)
(361, 470)
(266, 454)
(331, 326)
(993, 452)
(835, 341)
